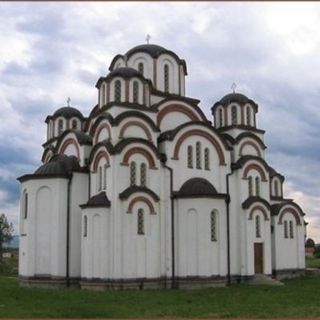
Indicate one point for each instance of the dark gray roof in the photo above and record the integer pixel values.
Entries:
(68, 112)
(99, 200)
(197, 186)
(59, 165)
(125, 72)
(153, 49)
(234, 97)
(254, 199)
(133, 189)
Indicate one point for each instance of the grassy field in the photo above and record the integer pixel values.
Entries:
(297, 298)
(312, 262)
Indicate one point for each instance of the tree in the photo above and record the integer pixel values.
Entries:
(6, 230)
(310, 243)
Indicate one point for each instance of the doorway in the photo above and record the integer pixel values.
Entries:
(258, 258)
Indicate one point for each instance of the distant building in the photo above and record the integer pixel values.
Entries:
(146, 191)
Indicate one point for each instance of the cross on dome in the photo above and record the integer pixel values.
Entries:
(68, 101)
(148, 37)
(233, 87)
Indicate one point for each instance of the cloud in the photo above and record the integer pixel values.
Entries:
(54, 51)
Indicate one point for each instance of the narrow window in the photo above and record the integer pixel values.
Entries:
(291, 229)
(220, 118)
(257, 186)
(206, 159)
(104, 96)
(141, 67)
(213, 224)
(85, 226)
(198, 155)
(26, 205)
(285, 226)
(276, 188)
(100, 179)
(190, 157)
(248, 114)
(250, 186)
(143, 174)
(117, 91)
(135, 91)
(105, 177)
(74, 124)
(258, 227)
(60, 126)
(140, 223)
(133, 173)
(166, 78)
(234, 115)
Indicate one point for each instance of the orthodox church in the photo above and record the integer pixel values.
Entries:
(146, 192)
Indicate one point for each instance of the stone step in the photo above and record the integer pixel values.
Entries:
(264, 280)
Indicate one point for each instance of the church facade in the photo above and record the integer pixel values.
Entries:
(147, 192)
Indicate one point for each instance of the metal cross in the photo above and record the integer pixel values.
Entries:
(233, 87)
(148, 38)
(68, 101)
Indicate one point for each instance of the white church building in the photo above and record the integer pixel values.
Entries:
(146, 192)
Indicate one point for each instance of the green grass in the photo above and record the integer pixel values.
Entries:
(9, 266)
(298, 298)
(313, 262)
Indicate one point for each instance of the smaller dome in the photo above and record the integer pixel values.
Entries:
(197, 186)
(234, 97)
(125, 72)
(68, 112)
(60, 164)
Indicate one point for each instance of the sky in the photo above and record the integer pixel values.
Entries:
(51, 51)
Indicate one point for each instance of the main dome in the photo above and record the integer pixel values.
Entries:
(153, 49)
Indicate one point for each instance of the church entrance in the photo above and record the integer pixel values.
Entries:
(258, 258)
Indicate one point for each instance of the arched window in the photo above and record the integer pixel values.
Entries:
(198, 155)
(140, 222)
(117, 91)
(60, 126)
(166, 77)
(291, 229)
(234, 115)
(100, 179)
(206, 159)
(85, 226)
(105, 177)
(250, 186)
(25, 211)
(220, 118)
(258, 227)
(135, 91)
(133, 173)
(74, 124)
(213, 225)
(285, 226)
(143, 174)
(248, 116)
(276, 188)
(257, 186)
(141, 68)
(190, 157)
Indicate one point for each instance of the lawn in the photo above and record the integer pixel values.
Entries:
(297, 298)
(313, 262)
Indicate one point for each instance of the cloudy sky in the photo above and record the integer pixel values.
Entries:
(52, 51)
